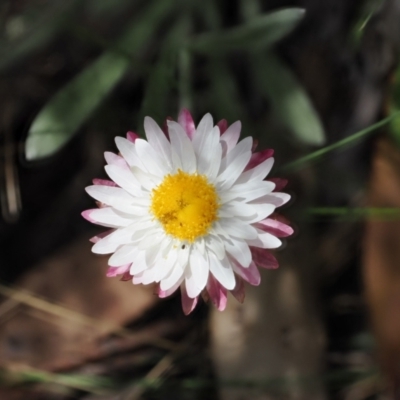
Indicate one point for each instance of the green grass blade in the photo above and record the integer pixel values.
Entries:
(356, 212)
(65, 113)
(260, 32)
(341, 144)
(289, 100)
(162, 76)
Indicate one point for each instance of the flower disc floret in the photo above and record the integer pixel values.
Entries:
(186, 205)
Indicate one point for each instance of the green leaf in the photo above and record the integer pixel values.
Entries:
(65, 113)
(162, 75)
(225, 98)
(258, 33)
(289, 100)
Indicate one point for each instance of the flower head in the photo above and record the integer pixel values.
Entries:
(190, 208)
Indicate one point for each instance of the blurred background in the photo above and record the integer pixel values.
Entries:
(317, 81)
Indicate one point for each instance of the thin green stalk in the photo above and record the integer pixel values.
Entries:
(358, 212)
(348, 141)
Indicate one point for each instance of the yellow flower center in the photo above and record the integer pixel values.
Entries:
(186, 205)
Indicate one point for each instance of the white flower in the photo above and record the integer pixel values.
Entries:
(189, 208)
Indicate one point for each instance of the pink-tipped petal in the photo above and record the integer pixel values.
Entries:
(104, 182)
(86, 214)
(218, 294)
(101, 235)
(114, 159)
(132, 136)
(112, 272)
(165, 293)
(263, 258)
(126, 277)
(185, 119)
(222, 125)
(115, 271)
(188, 304)
(250, 274)
(280, 183)
(258, 158)
(239, 291)
(276, 228)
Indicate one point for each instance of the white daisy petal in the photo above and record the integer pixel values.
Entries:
(238, 229)
(257, 173)
(192, 289)
(247, 191)
(276, 198)
(173, 277)
(182, 146)
(125, 179)
(249, 213)
(230, 137)
(128, 151)
(177, 271)
(199, 269)
(209, 155)
(222, 271)
(233, 171)
(262, 211)
(269, 241)
(237, 209)
(215, 157)
(104, 246)
(200, 136)
(151, 160)
(151, 240)
(139, 265)
(112, 242)
(124, 255)
(109, 217)
(239, 250)
(112, 196)
(147, 181)
(158, 140)
(148, 276)
(167, 261)
(137, 279)
(113, 159)
(244, 147)
(264, 240)
(215, 244)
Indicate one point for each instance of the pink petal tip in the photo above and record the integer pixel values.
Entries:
(86, 214)
(104, 182)
(185, 119)
(132, 136)
(280, 183)
(218, 294)
(188, 304)
(222, 125)
(258, 158)
(263, 258)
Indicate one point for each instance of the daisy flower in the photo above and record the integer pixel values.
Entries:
(189, 207)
